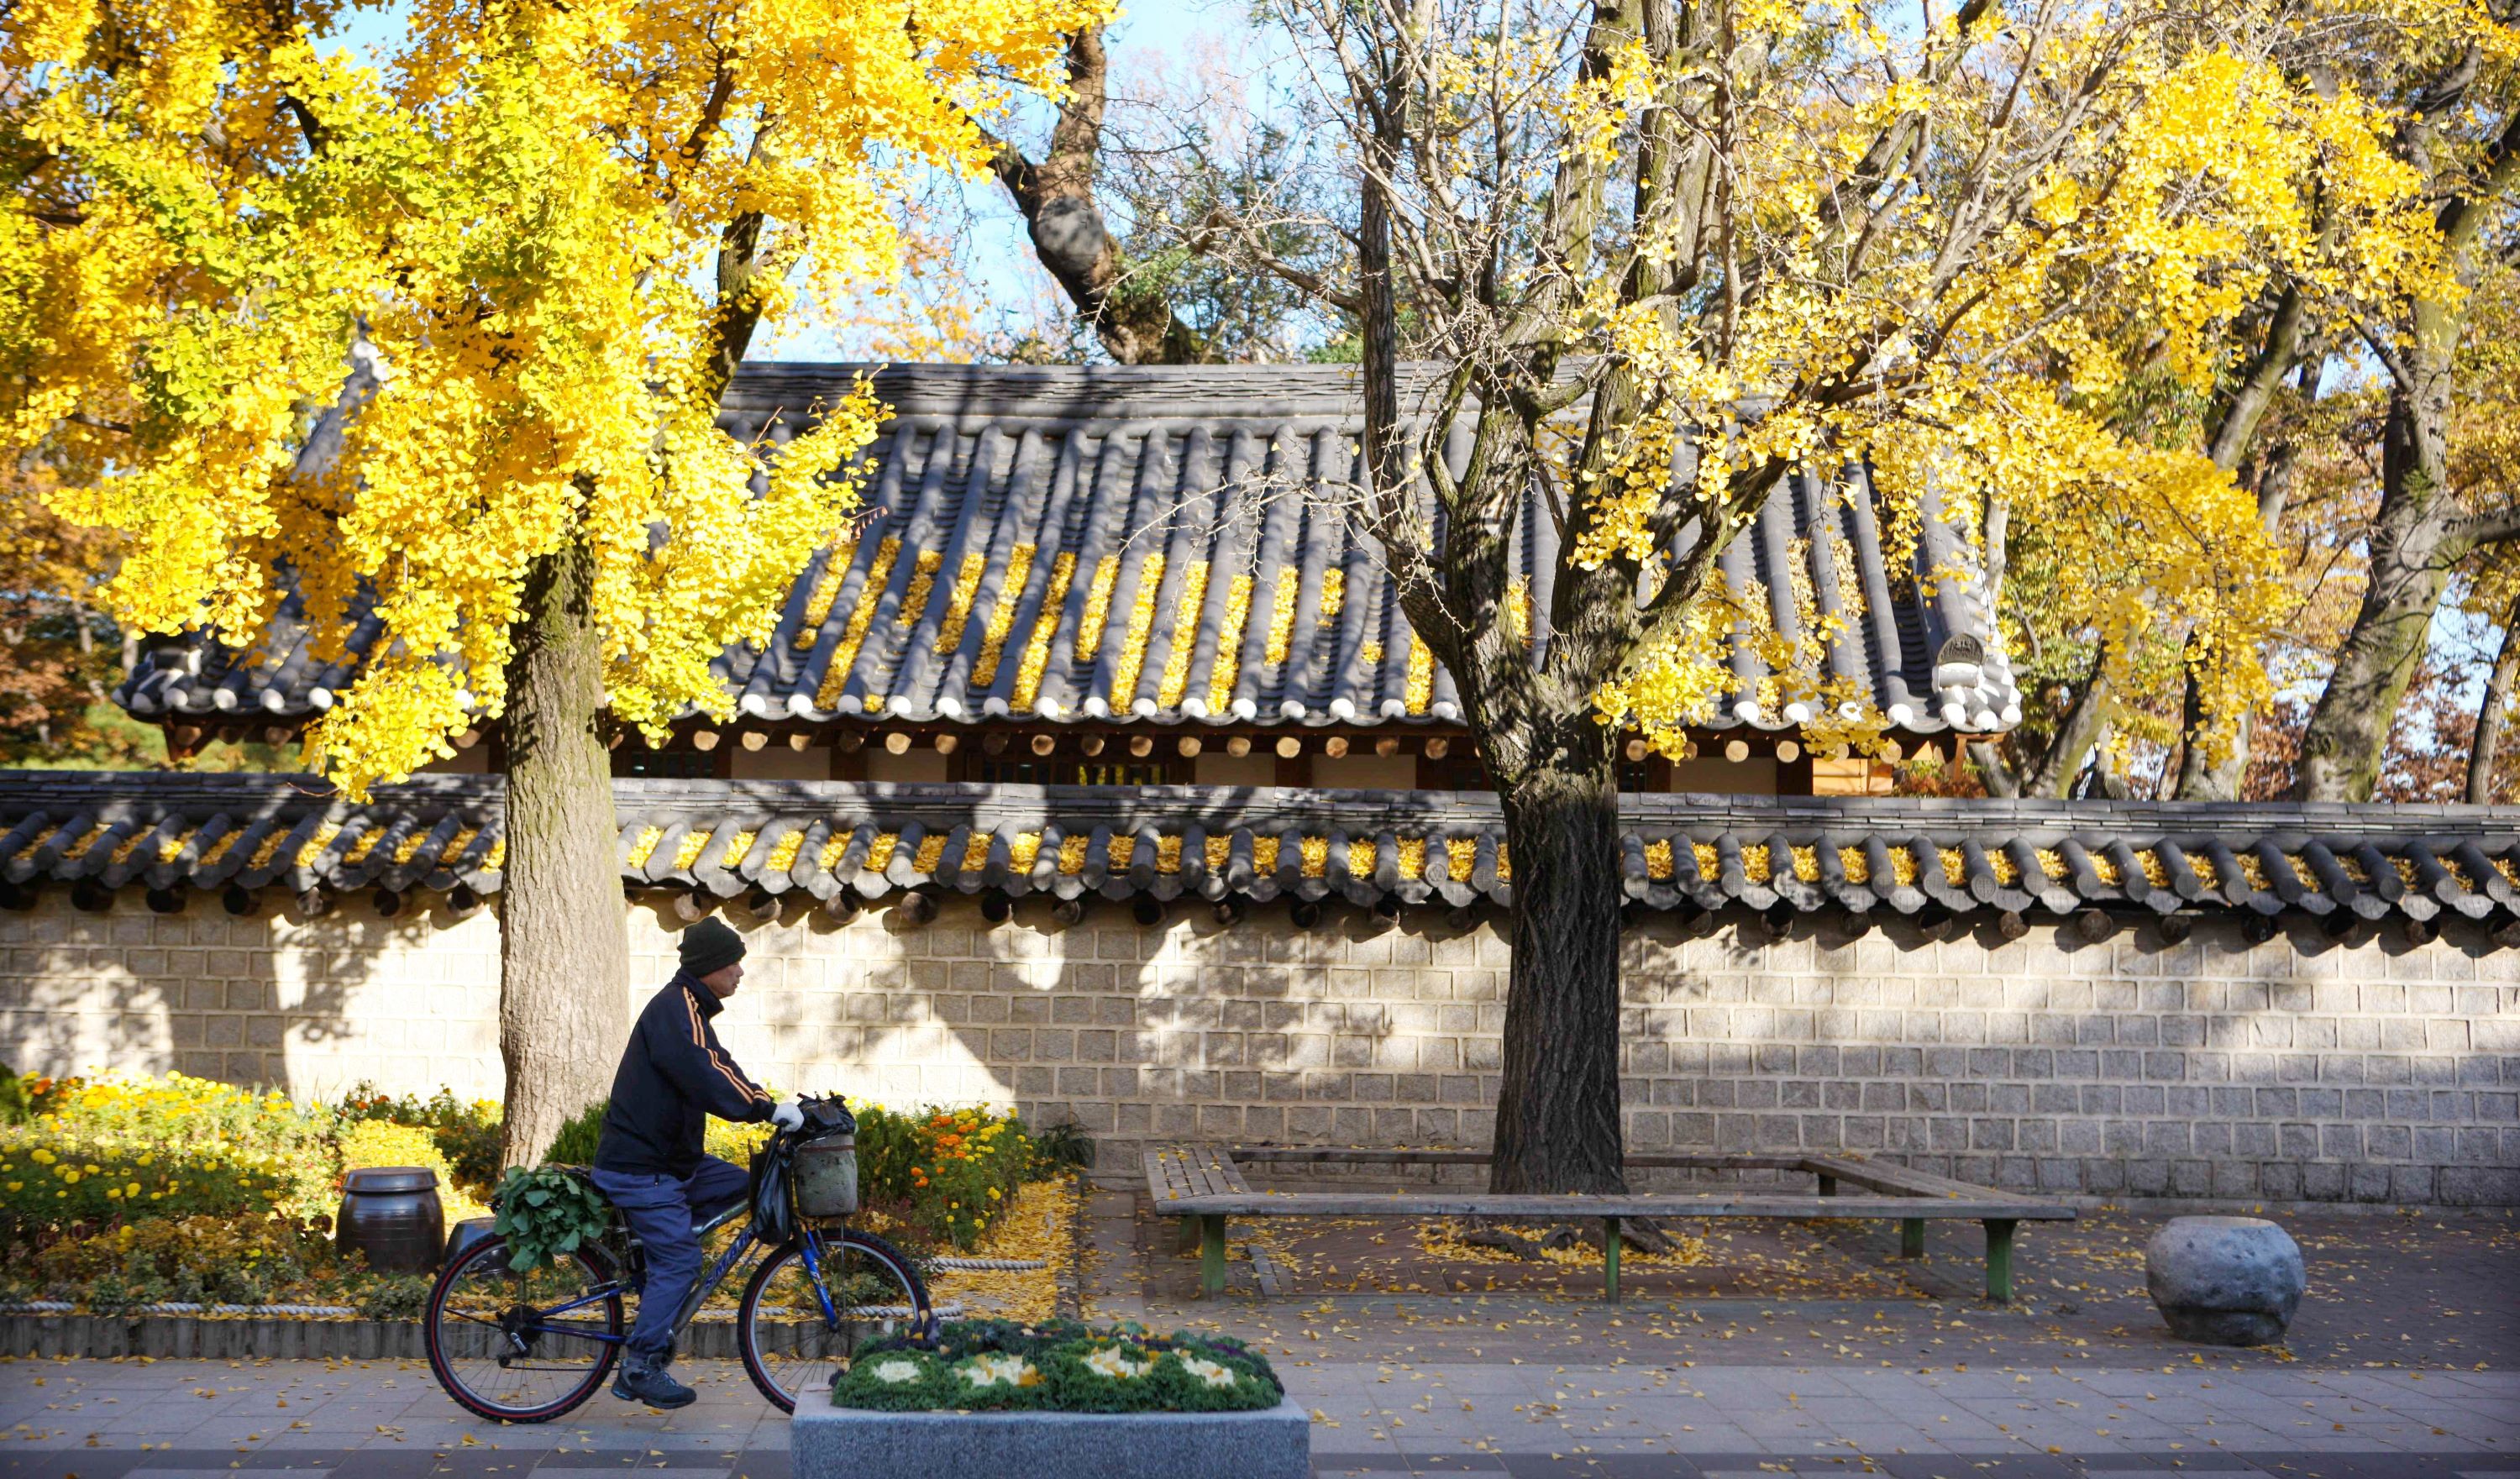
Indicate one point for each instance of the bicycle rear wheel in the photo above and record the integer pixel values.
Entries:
(522, 1346)
(789, 1347)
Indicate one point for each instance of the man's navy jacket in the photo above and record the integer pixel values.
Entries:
(673, 1077)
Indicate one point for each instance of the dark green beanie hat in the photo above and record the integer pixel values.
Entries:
(711, 945)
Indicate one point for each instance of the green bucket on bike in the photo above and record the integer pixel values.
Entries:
(825, 1175)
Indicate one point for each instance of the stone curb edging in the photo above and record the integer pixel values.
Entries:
(101, 1337)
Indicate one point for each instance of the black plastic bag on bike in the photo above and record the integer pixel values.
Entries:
(774, 1211)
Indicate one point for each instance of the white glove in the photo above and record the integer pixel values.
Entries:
(788, 1116)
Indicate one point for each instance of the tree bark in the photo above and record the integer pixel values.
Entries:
(2415, 542)
(1135, 321)
(2491, 718)
(1558, 1125)
(563, 959)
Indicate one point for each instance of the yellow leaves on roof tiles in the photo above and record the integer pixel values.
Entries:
(1998, 860)
(1281, 614)
(1220, 851)
(1903, 866)
(783, 858)
(2405, 866)
(1133, 642)
(1226, 670)
(1371, 654)
(687, 852)
(827, 589)
(1123, 850)
(736, 848)
(1098, 607)
(1420, 687)
(1186, 613)
(1954, 866)
(264, 853)
(1071, 853)
(2354, 870)
(1460, 857)
(835, 847)
(1045, 627)
(1317, 856)
(880, 852)
(2255, 871)
(1168, 851)
(2051, 862)
(314, 847)
(497, 855)
(1334, 594)
(1264, 854)
(131, 844)
(1659, 862)
(2206, 872)
(1709, 862)
(931, 848)
(975, 850)
(923, 581)
(958, 603)
(2502, 866)
(173, 847)
(844, 654)
(1807, 864)
(35, 844)
(358, 852)
(1412, 857)
(1755, 862)
(1001, 613)
(2302, 871)
(2155, 872)
(1022, 849)
(1504, 864)
(1363, 854)
(78, 849)
(2102, 864)
(1856, 863)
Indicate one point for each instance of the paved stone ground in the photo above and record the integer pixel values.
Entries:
(2406, 1362)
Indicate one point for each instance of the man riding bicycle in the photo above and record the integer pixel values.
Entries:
(649, 1162)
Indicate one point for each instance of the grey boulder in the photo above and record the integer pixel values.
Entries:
(2224, 1281)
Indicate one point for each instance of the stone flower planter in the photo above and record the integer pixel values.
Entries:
(2224, 1281)
(826, 1441)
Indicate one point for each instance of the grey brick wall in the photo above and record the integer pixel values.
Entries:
(2293, 1070)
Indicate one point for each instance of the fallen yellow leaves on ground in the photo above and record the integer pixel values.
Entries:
(1039, 1226)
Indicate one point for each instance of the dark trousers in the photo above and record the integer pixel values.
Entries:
(662, 1211)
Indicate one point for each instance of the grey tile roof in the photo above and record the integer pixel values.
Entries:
(1116, 544)
(1805, 855)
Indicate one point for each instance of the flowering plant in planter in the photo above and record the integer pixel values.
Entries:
(1062, 1367)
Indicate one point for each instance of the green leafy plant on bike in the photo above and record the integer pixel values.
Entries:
(547, 1214)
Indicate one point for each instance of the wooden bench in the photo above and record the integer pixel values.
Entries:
(1204, 1186)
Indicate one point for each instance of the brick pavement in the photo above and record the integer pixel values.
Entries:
(2406, 1364)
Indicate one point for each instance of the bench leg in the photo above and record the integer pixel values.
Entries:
(1912, 1237)
(1999, 1259)
(1211, 1255)
(1828, 1185)
(1184, 1233)
(1610, 1259)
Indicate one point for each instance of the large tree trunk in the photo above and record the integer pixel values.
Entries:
(1558, 1116)
(563, 959)
(2490, 719)
(2415, 542)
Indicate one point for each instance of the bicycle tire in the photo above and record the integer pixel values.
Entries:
(598, 1269)
(748, 1329)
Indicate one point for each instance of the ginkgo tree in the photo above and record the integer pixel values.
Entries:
(439, 335)
(1661, 254)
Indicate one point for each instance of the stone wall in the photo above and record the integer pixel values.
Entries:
(2293, 1070)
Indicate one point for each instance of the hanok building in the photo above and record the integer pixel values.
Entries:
(1100, 773)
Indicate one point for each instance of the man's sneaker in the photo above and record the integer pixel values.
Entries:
(653, 1385)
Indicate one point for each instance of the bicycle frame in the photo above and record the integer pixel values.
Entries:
(702, 1288)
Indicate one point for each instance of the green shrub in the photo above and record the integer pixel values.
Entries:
(15, 1106)
(575, 1144)
(1064, 1367)
(946, 1172)
(466, 1135)
(209, 1260)
(217, 1133)
(53, 1179)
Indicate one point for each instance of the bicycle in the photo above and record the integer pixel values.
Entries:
(531, 1347)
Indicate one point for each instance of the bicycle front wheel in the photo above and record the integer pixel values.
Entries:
(522, 1346)
(790, 1345)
